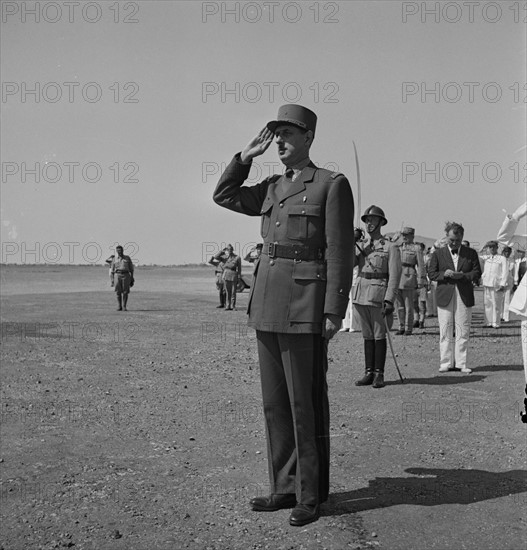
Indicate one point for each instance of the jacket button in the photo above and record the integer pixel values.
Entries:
(303, 211)
(277, 224)
(271, 262)
(281, 205)
(318, 276)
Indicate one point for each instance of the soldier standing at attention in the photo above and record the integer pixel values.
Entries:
(232, 271)
(413, 277)
(298, 298)
(123, 267)
(379, 273)
(218, 261)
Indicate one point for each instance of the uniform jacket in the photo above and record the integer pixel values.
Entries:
(468, 263)
(232, 268)
(413, 266)
(316, 211)
(122, 264)
(494, 271)
(218, 261)
(379, 273)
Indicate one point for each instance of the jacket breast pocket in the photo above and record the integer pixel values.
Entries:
(308, 293)
(379, 261)
(303, 221)
(266, 211)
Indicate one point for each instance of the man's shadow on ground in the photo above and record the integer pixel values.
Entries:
(440, 486)
(442, 380)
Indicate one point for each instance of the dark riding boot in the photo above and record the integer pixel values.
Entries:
(380, 360)
(222, 298)
(125, 301)
(369, 355)
(120, 302)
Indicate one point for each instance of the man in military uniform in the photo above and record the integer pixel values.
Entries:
(123, 268)
(413, 277)
(296, 304)
(379, 274)
(218, 261)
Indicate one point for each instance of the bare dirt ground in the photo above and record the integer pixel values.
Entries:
(143, 429)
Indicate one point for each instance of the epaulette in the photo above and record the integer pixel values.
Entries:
(336, 175)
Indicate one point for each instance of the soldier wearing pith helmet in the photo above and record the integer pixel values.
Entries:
(297, 301)
(379, 264)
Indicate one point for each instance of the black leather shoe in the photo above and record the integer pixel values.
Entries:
(400, 332)
(366, 380)
(273, 502)
(378, 381)
(304, 514)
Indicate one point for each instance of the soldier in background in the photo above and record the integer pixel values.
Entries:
(254, 253)
(413, 277)
(379, 274)
(218, 261)
(123, 268)
(420, 296)
(232, 271)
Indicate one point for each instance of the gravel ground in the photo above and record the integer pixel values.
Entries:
(144, 430)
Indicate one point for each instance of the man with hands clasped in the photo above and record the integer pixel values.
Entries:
(296, 304)
(455, 268)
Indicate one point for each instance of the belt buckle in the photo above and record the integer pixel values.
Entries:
(271, 250)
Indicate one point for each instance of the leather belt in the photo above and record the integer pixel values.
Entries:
(368, 275)
(293, 252)
(404, 264)
(122, 272)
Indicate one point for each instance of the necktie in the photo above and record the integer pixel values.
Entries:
(454, 251)
(289, 173)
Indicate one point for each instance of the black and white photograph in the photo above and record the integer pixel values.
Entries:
(262, 276)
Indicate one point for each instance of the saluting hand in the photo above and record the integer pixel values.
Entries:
(257, 146)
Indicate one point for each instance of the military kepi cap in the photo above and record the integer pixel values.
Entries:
(294, 114)
(408, 231)
(374, 211)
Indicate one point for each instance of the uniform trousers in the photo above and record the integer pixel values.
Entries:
(493, 300)
(453, 349)
(122, 283)
(293, 371)
(405, 308)
(372, 322)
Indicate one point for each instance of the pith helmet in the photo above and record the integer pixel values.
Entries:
(296, 115)
(408, 231)
(374, 211)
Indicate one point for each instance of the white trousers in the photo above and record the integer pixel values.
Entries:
(493, 304)
(453, 349)
(505, 304)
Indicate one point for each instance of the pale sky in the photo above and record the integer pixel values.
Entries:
(167, 101)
